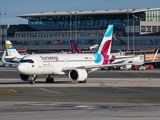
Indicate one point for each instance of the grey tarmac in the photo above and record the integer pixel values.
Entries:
(111, 95)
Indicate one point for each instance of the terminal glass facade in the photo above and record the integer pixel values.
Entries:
(90, 21)
(152, 15)
(82, 21)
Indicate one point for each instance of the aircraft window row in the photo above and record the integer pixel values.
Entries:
(28, 61)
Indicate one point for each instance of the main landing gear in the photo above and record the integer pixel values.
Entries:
(49, 79)
(83, 81)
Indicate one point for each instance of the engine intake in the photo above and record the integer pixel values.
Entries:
(78, 74)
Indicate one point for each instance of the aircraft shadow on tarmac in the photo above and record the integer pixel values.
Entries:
(39, 82)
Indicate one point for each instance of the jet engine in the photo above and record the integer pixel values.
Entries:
(29, 78)
(127, 67)
(79, 75)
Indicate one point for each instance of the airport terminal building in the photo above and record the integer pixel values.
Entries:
(134, 30)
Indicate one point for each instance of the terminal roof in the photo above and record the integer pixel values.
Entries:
(93, 12)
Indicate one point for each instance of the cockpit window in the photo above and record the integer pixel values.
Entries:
(27, 60)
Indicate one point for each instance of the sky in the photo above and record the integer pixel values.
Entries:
(20, 7)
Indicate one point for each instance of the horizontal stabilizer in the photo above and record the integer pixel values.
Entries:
(10, 57)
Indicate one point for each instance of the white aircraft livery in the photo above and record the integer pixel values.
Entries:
(76, 66)
(13, 55)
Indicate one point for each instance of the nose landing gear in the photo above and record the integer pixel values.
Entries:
(32, 78)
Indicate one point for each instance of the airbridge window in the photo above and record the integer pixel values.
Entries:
(28, 61)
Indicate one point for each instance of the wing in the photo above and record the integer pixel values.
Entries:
(3, 60)
(10, 57)
(94, 66)
(120, 63)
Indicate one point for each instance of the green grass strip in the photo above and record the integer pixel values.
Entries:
(6, 90)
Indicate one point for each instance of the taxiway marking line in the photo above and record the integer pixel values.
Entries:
(136, 90)
(142, 76)
(139, 75)
(49, 91)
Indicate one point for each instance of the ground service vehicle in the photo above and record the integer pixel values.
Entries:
(149, 66)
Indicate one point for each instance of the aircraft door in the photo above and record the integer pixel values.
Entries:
(40, 66)
(65, 61)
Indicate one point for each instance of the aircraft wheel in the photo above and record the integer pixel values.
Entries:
(51, 80)
(31, 82)
(82, 81)
(85, 81)
(47, 80)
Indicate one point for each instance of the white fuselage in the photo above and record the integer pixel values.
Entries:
(133, 60)
(55, 63)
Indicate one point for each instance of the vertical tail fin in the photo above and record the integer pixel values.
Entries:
(105, 46)
(10, 49)
(75, 48)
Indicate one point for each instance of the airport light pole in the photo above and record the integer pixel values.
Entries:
(128, 27)
(76, 25)
(0, 29)
(70, 28)
(5, 25)
(133, 31)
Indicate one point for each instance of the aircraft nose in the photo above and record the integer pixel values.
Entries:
(20, 68)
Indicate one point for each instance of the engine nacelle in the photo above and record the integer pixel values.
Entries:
(78, 74)
(28, 77)
(127, 67)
